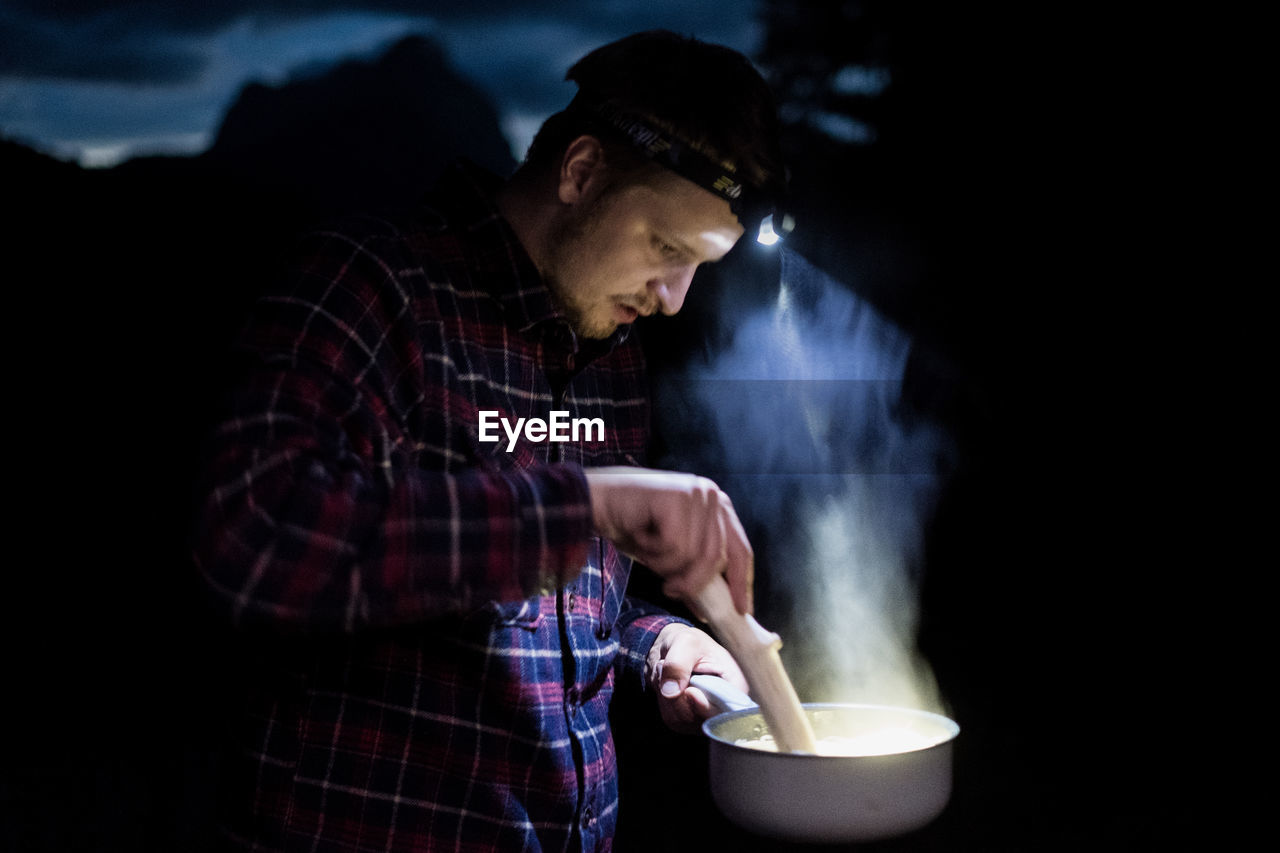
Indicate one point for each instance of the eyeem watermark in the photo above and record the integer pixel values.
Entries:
(558, 427)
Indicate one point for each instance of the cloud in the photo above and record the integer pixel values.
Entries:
(100, 121)
(132, 75)
(158, 42)
(106, 49)
(144, 42)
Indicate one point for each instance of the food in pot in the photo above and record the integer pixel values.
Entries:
(887, 741)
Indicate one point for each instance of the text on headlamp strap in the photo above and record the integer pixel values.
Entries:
(678, 156)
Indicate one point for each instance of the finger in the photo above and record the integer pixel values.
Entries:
(678, 664)
(740, 560)
(740, 575)
(687, 576)
(678, 716)
(671, 537)
(731, 672)
(687, 711)
(651, 537)
(712, 558)
(701, 532)
(672, 588)
(699, 706)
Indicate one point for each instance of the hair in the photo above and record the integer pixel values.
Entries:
(708, 96)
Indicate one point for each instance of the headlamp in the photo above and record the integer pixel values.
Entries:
(758, 209)
(767, 236)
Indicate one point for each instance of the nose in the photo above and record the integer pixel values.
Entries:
(672, 288)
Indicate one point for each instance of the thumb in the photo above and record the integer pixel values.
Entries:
(673, 677)
(678, 664)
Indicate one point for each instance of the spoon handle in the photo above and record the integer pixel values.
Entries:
(756, 651)
(721, 694)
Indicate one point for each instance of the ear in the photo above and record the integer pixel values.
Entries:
(582, 163)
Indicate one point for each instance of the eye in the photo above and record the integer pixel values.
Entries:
(667, 250)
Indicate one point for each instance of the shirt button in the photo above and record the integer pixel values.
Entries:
(588, 814)
(571, 698)
(573, 601)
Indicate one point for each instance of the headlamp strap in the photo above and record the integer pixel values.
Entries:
(678, 156)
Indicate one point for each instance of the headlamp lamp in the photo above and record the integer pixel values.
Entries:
(758, 209)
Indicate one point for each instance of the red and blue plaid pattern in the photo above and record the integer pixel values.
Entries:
(434, 664)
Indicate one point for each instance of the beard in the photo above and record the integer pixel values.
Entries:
(571, 239)
(575, 312)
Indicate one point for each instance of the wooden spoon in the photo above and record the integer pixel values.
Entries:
(756, 651)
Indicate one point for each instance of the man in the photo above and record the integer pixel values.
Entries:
(436, 605)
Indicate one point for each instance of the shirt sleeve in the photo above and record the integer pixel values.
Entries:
(638, 626)
(312, 511)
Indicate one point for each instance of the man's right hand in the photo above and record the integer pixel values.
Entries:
(681, 526)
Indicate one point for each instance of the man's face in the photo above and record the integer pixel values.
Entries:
(632, 251)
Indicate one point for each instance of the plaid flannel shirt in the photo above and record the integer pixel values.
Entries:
(440, 632)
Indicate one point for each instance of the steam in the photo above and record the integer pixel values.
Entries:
(858, 610)
(801, 419)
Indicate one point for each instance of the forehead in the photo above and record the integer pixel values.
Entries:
(680, 209)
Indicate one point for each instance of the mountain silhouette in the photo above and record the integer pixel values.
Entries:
(366, 134)
(138, 276)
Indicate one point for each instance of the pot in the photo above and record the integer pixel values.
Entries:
(828, 797)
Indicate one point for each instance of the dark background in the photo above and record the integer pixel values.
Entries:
(984, 220)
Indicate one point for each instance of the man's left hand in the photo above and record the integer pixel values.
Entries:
(679, 652)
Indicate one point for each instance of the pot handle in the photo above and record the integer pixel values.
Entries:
(723, 695)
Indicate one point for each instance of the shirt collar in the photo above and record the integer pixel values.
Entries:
(465, 196)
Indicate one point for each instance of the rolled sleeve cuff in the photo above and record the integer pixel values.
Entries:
(636, 638)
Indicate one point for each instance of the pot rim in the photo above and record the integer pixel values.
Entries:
(950, 725)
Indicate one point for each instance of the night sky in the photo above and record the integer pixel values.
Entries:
(97, 81)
